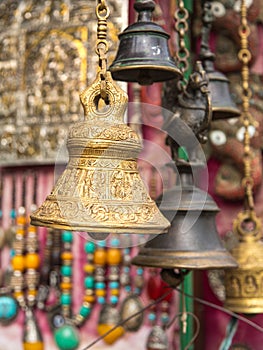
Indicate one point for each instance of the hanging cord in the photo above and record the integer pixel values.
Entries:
(181, 26)
(102, 13)
(244, 56)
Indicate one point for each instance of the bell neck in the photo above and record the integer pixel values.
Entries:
(144, 9)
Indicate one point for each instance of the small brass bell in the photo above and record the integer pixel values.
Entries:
(192, 242)
(244, 285)
(223, 106)
(143, 55)
(101, 191)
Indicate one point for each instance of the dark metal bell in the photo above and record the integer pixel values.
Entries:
(192, 242)
(223, 107)
(143, 55)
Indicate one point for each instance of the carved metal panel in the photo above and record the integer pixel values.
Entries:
(47, 58)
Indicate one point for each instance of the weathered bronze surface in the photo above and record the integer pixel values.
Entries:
(192, 242)
(143, 55)
(101, 190)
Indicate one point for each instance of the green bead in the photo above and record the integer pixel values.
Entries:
(85, 311)
(67, 337)
(67, 236)
(89, 282)
(66, 271)
(182, 153)
(65, 299)
(90, 247)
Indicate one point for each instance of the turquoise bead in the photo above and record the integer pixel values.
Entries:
(67, 338)
(67, 236)
(89, 282)
(114, 285)
(12, 214)
(114, 299)
(8, 308)
(101, 300)
(66, 271)
(85, 311)
(65, 299)
(100, 285)
(90, 247)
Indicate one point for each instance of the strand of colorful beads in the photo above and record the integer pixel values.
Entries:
(67, 335)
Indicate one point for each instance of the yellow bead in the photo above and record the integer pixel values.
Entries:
(66, 256)
(89, 298)
(115, 291)
(32, 229)
(65, 285)
(100, 292)
(21, 220)
(18, 294)
(33, 346)
(32, 261)
(114, 256)
(100, 257)
(18, 263)
(20, 231)
(32, 292)
(88, 268)
(113, 336)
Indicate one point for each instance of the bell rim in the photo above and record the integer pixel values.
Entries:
(233, 305)
(132, 229)
(185, 259)
(219, 112)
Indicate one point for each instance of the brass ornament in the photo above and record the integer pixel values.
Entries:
(244, 286)
(101, 189)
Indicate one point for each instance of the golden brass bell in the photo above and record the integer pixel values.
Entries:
(101, 191)
(143, 55)
(192, 242)
(244, 285)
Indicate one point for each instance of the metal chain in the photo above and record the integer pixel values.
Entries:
(244, 56)
(181, 26)
(102, 13)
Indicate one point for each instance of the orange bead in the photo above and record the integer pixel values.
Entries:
(32, 292)
(20, 231)
(100, 292)
(33, 346)
(18, 262)
(66, 256)
(18, 294)
(89, 298)
(115, 291)
(114, 256)
(32, 261)
(88, 268)
(21, 220)
(32, 229)
(100, 257)
(113, 335)
(65, 285)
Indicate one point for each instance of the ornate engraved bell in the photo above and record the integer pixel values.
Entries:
(143, 55)
(101, 191)
(244, 286)
(192, 242)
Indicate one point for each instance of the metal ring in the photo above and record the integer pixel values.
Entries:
(101, 8)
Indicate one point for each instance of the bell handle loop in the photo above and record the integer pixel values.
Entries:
(241, 223)
(144, 9)
(114, 97)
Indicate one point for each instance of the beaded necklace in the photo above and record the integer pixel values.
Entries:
(66, 333)
(25, 276)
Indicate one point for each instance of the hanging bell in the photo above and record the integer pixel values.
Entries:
(101, 191)
(192, 242)
(143, 55)
(223, 106)
(244, 285)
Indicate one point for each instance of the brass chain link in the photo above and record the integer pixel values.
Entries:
(181, 26)
(102, 13)
(244, 56)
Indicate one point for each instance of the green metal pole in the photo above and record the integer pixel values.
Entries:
(186, 335)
